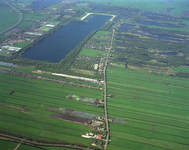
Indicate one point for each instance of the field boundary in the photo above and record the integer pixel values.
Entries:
(43, 144)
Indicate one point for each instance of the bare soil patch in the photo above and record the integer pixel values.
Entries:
(69, 118)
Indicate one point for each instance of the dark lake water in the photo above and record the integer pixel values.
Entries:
(58, 45)
(43, 3)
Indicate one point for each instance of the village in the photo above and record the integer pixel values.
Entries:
(98, 132)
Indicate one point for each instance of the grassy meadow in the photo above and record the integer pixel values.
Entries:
(153, 107)
(22, 45)
(91, 52)
(156, 6)
(8, 17)
(24, 103)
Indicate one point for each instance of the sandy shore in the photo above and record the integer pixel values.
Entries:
(113, 16)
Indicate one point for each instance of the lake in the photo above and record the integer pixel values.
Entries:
(55, 47)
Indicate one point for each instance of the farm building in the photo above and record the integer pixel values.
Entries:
(50, 25)
(95, 66)
(97, 123)
(32, 33)
(88, 135)
(100, 129)
(99, 136)
(11, 48)
(7, 64)
(76, 77)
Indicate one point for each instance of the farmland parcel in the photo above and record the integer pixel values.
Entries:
(28, 107)
(154, 110)
(147, 77)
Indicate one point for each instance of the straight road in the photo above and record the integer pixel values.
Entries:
(105, 89)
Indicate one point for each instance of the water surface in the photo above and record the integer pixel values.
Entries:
(58, 45)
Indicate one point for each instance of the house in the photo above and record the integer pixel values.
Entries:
(100, 118)
(96, 124)
(100, 129)
(99, 136)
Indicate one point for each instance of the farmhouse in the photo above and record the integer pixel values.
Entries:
(95, 66)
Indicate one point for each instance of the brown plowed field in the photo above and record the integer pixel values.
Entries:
(69, 118)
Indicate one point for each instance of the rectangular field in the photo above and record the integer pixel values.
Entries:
(91, 52)
(25, 108)
(154, 109)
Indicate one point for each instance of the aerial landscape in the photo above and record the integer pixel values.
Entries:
(94, 74)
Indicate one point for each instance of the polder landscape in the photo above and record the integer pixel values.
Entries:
(94, 74)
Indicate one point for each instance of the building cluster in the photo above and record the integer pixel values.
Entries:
(101, 66)
(98, 131)
(9, 46)
(96, 44)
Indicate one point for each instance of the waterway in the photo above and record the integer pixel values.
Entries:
(58, 45)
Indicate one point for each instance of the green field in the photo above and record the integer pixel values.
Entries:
(156, 6)
(22, 45)
(183, 69)
(8, 17)
(91, 52)
(35, 96)
(45, 28)
(4, 54)
(77, 7)
(35, 16)
(175, 29)
(57, 6)
(25, 24)
(6, 145)
(153, 107)
(104, 32)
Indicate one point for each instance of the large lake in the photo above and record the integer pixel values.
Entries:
(58, 45)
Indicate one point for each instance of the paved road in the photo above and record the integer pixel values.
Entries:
(43, 144)
(105, 109)
(18, 22)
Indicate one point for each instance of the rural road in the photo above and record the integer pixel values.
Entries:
(18, 22)
(105, 109)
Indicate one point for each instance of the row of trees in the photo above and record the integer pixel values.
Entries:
(48, 141)
(44, 141)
